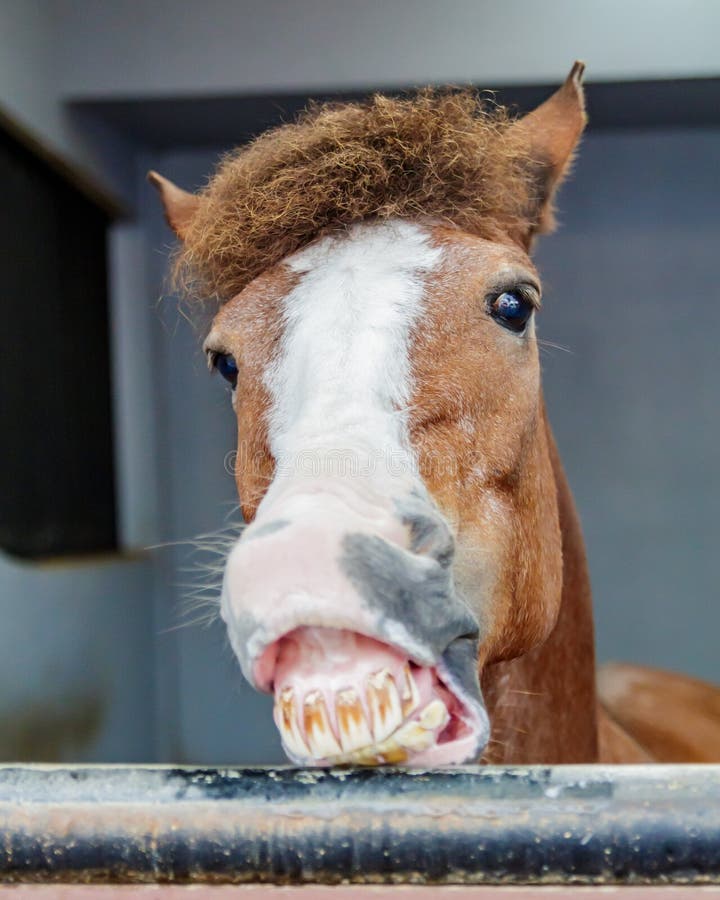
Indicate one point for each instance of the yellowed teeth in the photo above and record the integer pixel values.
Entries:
(383, 735)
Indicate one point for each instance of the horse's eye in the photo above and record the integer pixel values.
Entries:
(227, 367)
(512, 309)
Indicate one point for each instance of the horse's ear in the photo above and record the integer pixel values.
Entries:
(179, 205)
(551, 133)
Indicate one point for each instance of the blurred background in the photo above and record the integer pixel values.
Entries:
(114, 439)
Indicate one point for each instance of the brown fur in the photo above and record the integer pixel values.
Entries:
(673, 717)
(447, 155)
(615, 745)
(257, 322)
(537, 657)
(477, 400)
(542, 703)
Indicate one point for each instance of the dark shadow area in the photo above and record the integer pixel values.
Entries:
(205, 121)
(56, 440)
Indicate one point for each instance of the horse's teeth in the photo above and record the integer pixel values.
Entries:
(384, 704)
(393, 755)
(413, 736)
(435, 715)
(384, 739)
(377, 756)
(286, 721)
(410, 694)
(320, 737)
(352, 726)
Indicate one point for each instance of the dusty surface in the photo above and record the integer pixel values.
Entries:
(197, 892)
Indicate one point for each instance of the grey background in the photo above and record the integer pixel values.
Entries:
(95, 661)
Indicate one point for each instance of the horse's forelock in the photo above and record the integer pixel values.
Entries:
(447, 155)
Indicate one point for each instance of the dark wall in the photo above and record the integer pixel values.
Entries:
(56, 448)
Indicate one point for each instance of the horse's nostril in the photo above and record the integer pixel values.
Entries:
(429, 535)
(439, 545)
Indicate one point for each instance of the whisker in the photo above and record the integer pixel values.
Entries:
(551, 345)
(200, 590)
(200, 621)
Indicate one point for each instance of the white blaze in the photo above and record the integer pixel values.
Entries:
(342, 378)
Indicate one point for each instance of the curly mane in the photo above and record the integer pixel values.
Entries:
(445, 155)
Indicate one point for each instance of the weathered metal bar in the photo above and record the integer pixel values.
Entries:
(470, 825)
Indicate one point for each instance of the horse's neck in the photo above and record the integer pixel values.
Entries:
(542, 706)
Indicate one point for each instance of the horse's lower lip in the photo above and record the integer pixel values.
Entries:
(342, 698)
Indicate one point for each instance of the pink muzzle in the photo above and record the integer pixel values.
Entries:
(343, 605)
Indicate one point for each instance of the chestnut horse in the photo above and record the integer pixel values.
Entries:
(412, 583)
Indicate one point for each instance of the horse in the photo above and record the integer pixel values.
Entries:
(411, 582)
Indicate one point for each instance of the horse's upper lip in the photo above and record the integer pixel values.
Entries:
(318, 567)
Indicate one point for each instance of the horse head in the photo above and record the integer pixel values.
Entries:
(394, 467)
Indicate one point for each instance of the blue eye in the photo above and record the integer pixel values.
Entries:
(227, 367)
(512, 309)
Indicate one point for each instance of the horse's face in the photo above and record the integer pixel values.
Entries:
(393, 467)
(393, 470)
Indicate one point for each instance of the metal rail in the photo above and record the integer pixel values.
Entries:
(470, 825)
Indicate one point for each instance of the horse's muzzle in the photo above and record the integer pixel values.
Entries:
(344, 606)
